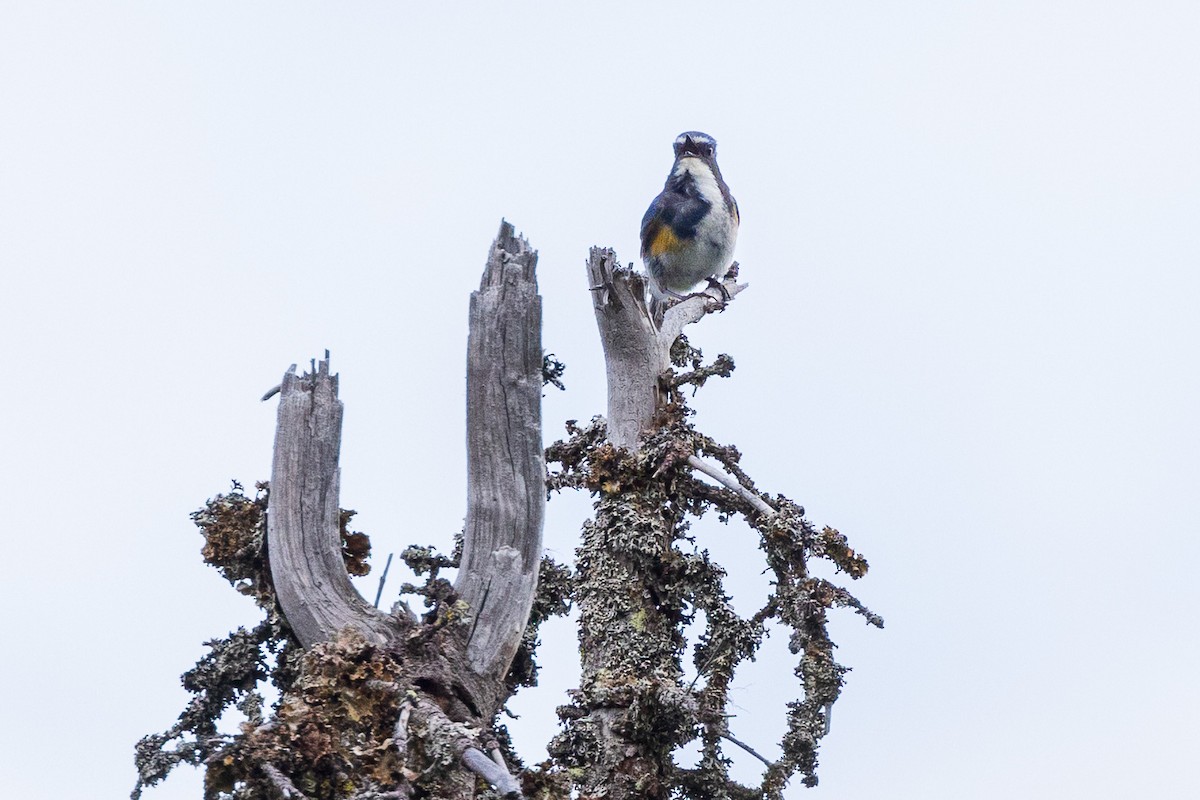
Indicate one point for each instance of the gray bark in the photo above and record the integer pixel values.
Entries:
(495, 774)
(635, 352)
(506, 485)
(633, 358)
(304, 544)
(506, 472)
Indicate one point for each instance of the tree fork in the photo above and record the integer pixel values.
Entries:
(506, 495)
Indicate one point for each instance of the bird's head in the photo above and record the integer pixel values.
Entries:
(697, 144)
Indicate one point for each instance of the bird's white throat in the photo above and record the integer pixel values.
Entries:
(702, 174)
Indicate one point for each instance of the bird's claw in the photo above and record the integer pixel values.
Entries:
(713, 283)
(725, 297)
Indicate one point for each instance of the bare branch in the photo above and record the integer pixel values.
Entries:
(287, 789)
(495, 774)
(729, 737)
(383, 579)
(632, 355)
(695, 306)
(636, 353)
(730, 483)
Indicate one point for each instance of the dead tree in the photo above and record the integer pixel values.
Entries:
(395, 704)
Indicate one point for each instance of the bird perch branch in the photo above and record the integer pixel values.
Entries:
(635, 352)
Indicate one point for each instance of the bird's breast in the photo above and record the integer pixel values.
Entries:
(704, 182)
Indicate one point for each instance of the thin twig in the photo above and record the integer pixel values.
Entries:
(276, 389)
(727, 736)
(730, 483)
(382, 578)
(286, 788)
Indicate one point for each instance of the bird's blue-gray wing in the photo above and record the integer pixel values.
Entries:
(652, 223)
(683, 207)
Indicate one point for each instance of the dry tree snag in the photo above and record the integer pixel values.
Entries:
(378, 704)
(391, 704)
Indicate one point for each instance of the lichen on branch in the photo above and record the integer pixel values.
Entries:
(641, 580)
(332, 734)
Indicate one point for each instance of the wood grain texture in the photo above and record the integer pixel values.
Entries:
(506, 473)
(636, 353)
(303, 539)
(633, 358)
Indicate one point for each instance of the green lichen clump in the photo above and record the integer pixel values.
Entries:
(329, 723)
(631, 709)
(230, 674)
(331, 730)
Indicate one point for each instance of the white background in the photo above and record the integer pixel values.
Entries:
(969, 343)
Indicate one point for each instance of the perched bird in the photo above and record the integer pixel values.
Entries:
(689, 231)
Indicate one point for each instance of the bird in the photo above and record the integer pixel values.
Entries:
(690, 229)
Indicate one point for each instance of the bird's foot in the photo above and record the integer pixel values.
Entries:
(714, 283)
(716, 303)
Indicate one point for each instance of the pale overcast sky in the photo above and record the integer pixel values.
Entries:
(970, 341)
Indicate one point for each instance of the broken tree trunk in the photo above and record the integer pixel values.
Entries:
(636, 353)
(506, 498)
(506, 469)
(303, 518)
